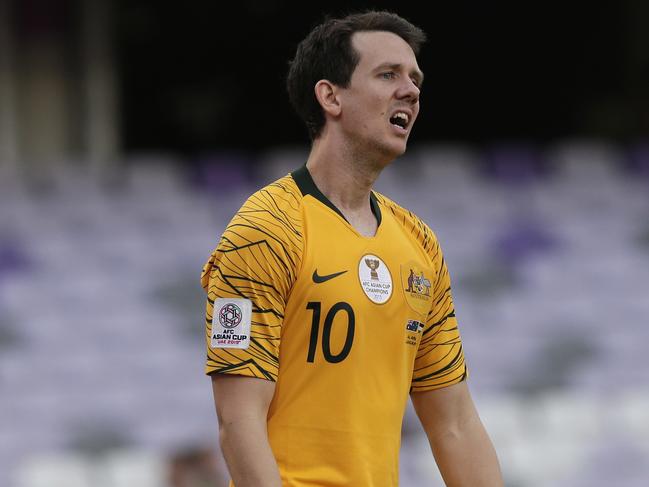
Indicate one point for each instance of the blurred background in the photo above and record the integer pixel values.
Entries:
(130, 131)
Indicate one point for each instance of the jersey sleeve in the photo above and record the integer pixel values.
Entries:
(440, 358)
(253, 268)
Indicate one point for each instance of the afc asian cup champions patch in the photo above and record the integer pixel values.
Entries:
(231, 321)
(375, 278)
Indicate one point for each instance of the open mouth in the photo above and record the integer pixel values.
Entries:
(400, 119)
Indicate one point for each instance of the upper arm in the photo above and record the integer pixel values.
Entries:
(446, 410)
(459, 442)
(238, 398)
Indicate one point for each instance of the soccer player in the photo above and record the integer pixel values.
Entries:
(328, 303)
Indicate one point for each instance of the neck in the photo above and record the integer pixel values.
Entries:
(346, 180)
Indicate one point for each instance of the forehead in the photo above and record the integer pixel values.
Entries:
(379, 47)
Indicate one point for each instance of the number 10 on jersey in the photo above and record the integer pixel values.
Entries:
(316, 308)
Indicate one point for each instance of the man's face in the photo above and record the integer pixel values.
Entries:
(381, 103)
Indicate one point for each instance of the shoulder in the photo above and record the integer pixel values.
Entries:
(265, 232)
(281, 198)
(411, 224)
(274, 210)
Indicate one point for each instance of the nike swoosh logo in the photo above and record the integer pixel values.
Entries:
(320, 279)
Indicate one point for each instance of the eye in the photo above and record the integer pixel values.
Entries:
(389, 75)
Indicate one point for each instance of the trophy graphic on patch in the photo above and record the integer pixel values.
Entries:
(373, 264)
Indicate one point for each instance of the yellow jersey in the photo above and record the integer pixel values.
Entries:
(346, 325)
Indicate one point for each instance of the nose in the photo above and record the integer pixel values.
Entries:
(409, 91)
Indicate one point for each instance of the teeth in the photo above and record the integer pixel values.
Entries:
(400, 118)
(402, 115)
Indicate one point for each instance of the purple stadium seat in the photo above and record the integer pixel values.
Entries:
(638, 159)
(514, 164)
(219, 172)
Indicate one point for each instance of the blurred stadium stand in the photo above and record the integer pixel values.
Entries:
(101, 312)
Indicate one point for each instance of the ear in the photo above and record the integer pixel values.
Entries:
(327, 94)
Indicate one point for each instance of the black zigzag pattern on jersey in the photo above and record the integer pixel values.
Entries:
(249, 366)
(440, 338)
(451, 372)
(257, 259)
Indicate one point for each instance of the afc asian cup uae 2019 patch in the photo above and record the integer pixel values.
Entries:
(231, 323)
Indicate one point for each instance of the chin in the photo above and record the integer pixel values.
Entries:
(397, 150)
(389, 154)
(389, 151)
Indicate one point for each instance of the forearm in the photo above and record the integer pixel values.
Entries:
(248, 454)
(466, 457)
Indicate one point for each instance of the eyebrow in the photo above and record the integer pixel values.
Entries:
(397, 66)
